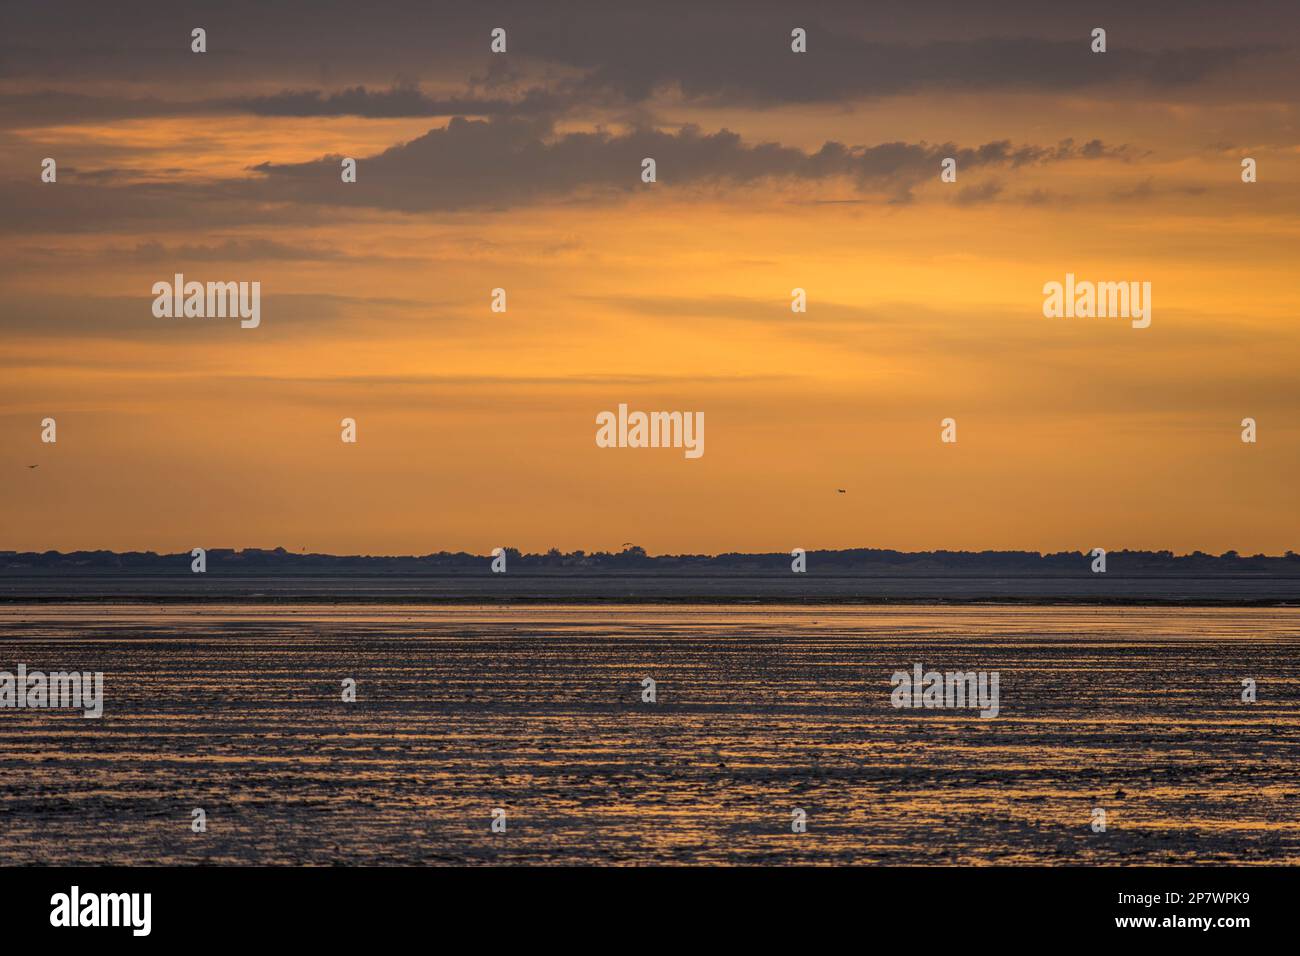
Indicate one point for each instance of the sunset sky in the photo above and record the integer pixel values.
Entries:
(775, 170)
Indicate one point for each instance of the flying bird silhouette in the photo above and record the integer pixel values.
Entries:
(33, 466)
(841, 491)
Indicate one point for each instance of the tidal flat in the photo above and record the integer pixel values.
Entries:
(236, 709)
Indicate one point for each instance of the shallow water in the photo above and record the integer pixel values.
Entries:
(537, 710)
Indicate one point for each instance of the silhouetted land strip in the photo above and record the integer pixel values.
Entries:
(857, 576)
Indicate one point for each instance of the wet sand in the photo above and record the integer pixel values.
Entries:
(236, 709)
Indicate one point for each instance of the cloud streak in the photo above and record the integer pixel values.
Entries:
(500, 163)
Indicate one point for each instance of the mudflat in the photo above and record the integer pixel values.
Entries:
(237, 709)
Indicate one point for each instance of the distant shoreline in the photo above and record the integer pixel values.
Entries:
(861, 576)
(636, 559)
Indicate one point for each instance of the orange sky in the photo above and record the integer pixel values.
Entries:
(477, 429)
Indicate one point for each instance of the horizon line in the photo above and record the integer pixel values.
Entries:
(629, 550)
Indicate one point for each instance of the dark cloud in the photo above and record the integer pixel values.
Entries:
(489, 164)
(500, 163)
(754, 74)
(395, 102)
(749, 63)
(60, 107)
(331, 57)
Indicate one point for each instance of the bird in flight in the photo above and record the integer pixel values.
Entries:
(841, 491)
(33, 466)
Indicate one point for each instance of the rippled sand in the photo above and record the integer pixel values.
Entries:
(538, 710)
